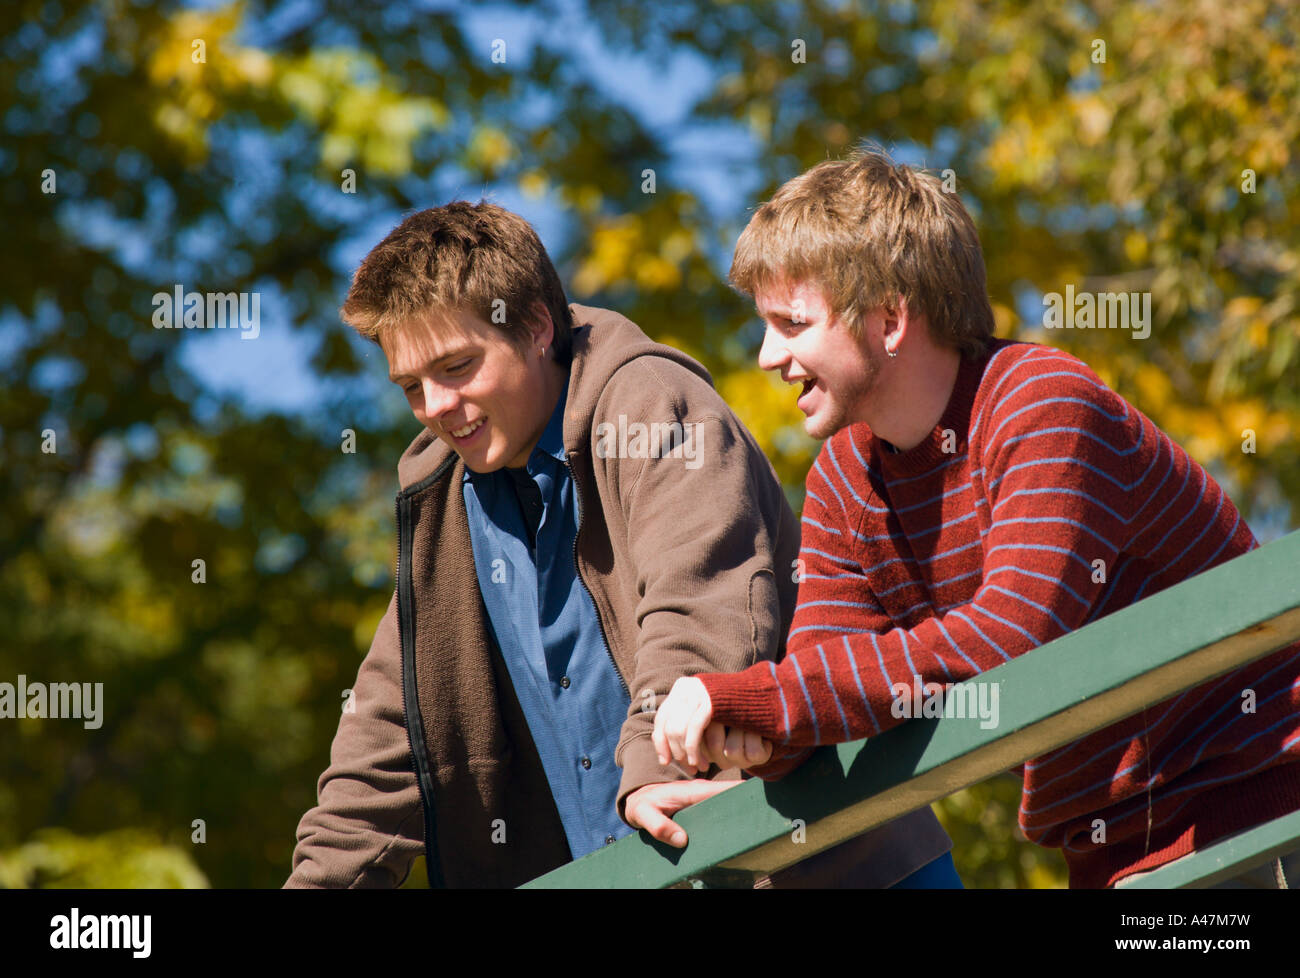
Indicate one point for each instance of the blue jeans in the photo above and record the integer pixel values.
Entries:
(939, 874)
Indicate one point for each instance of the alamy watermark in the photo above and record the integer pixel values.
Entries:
(53, 701)
(77, 931)
(961, 701)
(1098, 310)
(179, 309)
(659, 439)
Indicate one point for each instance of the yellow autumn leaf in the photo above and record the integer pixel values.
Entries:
(1135, 247)
(489, 148)
(533, 184)
(1093, 116)
(608, 260)
(655, 274)
(1154, 386)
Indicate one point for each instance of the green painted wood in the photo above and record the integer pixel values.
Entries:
(1224, 859)
(1095, 676)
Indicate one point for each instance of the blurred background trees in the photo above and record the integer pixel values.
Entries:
(263, 148)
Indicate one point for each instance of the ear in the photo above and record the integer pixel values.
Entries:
(540, 325)
(894, 321)
(897, 315)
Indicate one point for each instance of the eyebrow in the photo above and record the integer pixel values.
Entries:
(430, 363)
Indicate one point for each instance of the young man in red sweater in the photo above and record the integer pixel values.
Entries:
(968, 494)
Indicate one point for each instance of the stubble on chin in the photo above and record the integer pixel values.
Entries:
(824, 427)
(847, 402)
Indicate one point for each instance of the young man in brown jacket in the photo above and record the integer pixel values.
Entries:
(582, 522)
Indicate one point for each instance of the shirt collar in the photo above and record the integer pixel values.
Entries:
(552, 440)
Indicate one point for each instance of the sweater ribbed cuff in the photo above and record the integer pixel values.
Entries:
(748, 699)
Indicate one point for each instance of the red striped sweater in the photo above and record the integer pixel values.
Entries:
(943, 564)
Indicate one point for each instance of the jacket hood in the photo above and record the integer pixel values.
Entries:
(603, 342)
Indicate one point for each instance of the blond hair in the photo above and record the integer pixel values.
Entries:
(867, 230)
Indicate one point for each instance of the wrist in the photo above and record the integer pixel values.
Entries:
(747, 699)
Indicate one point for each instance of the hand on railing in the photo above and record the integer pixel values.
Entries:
(684, 732)
(650, 806)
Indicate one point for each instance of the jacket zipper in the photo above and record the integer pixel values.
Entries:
(410, 700)
(577, 489)
(406, 641)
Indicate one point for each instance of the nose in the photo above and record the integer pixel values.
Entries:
(772, 355)
(439, 400)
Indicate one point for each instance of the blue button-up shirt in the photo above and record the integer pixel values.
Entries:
(545, 624)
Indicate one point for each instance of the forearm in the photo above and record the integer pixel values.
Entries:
(351, 842)
(368, 826)
(716, 583)
(858, 686)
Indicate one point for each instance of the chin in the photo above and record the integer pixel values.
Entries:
(821, 428)
(482, 464)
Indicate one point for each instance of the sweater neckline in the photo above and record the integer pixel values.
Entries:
(956, 416)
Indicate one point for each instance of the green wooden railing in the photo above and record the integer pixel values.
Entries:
(1213, 623)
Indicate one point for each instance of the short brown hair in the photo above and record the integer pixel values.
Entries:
(866, 230)
(459, 256)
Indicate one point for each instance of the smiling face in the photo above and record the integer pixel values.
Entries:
(472, 387)
(836, 371)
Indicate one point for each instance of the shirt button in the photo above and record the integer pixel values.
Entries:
(609, 840)
(586, 762)
(564, 682)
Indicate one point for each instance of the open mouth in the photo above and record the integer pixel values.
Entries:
(805, 389)
(460, 434)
